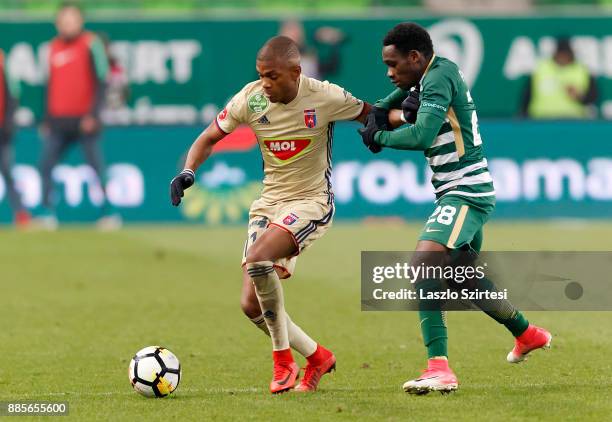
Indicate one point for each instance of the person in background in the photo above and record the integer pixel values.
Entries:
(8, 105)
(315, 64)
(560, 88)
(117, 83)
(78, 69)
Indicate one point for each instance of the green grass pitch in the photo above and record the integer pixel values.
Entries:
(76, 305)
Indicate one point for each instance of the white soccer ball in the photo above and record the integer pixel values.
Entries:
(154, 372)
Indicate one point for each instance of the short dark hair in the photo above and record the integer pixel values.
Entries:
(407, 36)
(279, 47)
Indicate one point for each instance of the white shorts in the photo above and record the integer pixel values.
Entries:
(305, 220)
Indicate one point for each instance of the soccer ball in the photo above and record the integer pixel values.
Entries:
(154, 372)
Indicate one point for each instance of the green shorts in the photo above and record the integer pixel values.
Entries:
(457, 221)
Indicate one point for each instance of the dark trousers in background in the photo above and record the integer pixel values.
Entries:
(63, 133)
(6, 163)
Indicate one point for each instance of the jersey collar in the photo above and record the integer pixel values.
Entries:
(433, 56)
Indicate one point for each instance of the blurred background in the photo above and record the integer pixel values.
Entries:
(540, 72)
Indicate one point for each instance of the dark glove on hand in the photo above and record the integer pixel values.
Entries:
(381, 117)
(410, 106)
(178, 185)
(367, 134)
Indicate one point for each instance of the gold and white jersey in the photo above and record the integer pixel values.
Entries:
(295, 139)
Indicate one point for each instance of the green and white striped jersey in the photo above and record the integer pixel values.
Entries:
(455, 156)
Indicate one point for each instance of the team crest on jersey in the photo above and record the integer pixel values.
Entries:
(290, 219)
(286, 149)
(310, 118)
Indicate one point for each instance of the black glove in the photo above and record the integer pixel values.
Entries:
(178, 185)
(410, 106)
(381, 117)
(367, 134)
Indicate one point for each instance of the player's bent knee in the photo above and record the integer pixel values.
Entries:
(248, 300)
(250, 306)
(255, 255)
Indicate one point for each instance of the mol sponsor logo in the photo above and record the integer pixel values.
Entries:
(286, 149)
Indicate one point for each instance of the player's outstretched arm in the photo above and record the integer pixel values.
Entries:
(198, 153)
(202, 147)
(438, 94)
(363, 116)
(388, 109)
(384, 116)
(419, 136)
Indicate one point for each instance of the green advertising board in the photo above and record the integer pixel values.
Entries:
(184, 72)
(541, 170)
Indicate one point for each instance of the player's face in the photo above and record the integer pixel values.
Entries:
(404, 70)
(279, 80)
(69, 23)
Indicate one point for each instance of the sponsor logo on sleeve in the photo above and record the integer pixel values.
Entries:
(223, 114)
(257, 103)
(432, 105)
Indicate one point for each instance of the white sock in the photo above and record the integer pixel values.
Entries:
(298, 339)
(270, 295)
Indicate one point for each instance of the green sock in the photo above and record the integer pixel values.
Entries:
(433, 321)
(501, 311)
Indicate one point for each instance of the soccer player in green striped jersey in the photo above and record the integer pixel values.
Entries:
(434, 99)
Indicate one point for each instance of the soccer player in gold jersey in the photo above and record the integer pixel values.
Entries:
(293, 118)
